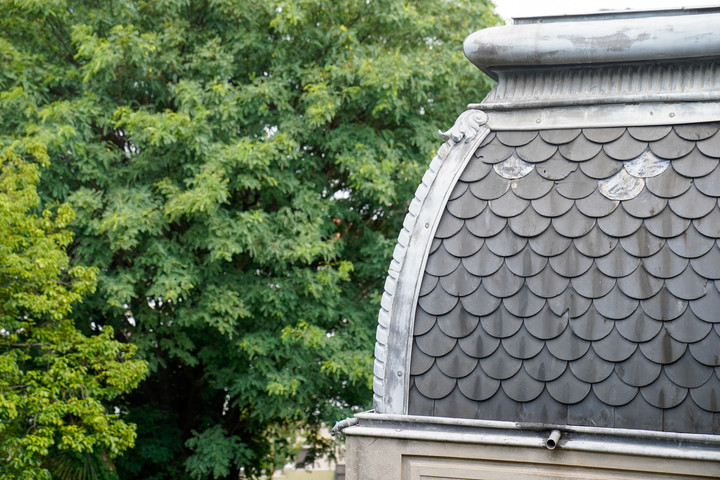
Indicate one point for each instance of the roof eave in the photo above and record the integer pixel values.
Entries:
(515, 434)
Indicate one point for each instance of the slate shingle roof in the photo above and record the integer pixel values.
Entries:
(574, 278)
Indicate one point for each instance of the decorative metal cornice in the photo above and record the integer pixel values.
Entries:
(632, 37)
(627, 68)
(465, 127)
(606, 84)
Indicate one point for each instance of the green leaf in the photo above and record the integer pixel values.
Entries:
(239, 172)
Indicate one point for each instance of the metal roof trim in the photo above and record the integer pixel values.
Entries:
(601, 41)
(579, 438)
(615, 13)
(599, 115)
(402, 287)
(541, 87)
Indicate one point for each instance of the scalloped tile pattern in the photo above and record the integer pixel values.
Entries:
(575, 279)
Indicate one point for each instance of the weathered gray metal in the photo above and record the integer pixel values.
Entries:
(675, 81)
(603, 115)
(512, 434)
(600, 39)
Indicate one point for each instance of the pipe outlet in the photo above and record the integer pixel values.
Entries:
(553, 440)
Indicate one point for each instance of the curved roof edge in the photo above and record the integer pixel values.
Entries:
(402, 287)
(605, 39)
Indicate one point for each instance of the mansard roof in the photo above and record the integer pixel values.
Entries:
(559, 262)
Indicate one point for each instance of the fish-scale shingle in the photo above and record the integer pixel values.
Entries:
(480, 302)
(595, 244)
(572, 279)
(546, 324)
(522, 344)
(537, 150)
(639, 327)
(663, 393)
(649, 134)
(708, 185)
(556, 168)
(666, 224)
(672, 146)
(527, 263)
(591, 368)
(516, 138)
(462, 244)
(531, 186)
(521, 387)
(691, 244)
(506, 243)
(571, 263)
(601, 166)
(687, 373)
(603, 135)
(710, 146)
(625, 148)
(466, 206)
(529, 223)
(458, 323)
(687, 328)
(478, 385)
(664, 306)
(710, 224)
(708, 265)
(474, 172)
(579, 149)
(669, 184)
(513, 168)
(576, 185)
(618, 263)
(697, 131)
(568, 389)
(695, 164)
(568, 346)
(524, 303)
(620, 224)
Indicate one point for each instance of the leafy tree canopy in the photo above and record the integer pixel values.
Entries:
(240, 170)
(55, 382)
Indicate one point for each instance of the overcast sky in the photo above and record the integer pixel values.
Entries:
(528, 8)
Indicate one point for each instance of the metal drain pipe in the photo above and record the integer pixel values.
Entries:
(553, 440)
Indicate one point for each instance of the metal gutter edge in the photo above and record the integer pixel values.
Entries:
(684, 97)
(596, 116)
(588, 439)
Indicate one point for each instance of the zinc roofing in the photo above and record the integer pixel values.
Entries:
(574, 278)
(560, 262)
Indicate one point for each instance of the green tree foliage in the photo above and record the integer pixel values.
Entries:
(55, 382)
(240, 171)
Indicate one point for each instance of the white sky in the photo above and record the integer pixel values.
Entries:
(528, 8)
